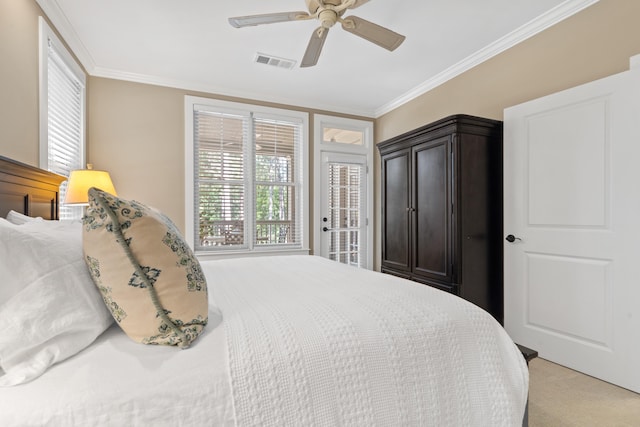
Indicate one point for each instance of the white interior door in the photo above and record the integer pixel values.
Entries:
(344, 208)
(572, 207)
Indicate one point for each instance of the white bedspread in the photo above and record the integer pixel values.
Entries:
(304, 342)
(312, 342)
(117, 382)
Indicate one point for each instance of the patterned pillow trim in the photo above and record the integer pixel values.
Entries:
(185, 339)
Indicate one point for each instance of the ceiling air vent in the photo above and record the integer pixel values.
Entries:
(274, 61)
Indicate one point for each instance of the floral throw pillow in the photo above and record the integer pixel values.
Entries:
(148, 276)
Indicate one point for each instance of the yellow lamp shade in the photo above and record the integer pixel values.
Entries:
(80, 181)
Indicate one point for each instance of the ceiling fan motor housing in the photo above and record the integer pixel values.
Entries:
(314, 5)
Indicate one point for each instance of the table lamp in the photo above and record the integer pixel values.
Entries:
(81, 180)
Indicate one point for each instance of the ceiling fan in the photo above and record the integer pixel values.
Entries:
(328, 12)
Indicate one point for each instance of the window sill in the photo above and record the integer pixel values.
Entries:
(215, 255)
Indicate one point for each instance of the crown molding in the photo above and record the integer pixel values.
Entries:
(60, 22)
(530, 29)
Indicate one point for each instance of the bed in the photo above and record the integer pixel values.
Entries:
(291, 341)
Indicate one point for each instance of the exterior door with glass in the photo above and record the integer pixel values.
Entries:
(343, 198)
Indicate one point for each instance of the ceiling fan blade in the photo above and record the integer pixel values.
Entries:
(358, 3)
(314, 47)
(345, 4)
(268, 18)
(374, 33)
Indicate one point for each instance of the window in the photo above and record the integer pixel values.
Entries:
(246, 177)
(62, 112)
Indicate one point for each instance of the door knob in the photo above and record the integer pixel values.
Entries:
(325, 229)
(511, 238)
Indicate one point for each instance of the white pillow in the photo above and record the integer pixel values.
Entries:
(18, 218)
(49, 306)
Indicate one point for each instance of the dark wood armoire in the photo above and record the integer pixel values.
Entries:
(442, 208)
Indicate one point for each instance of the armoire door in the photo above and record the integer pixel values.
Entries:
(396, 187)
(431, 210)
(573, 233)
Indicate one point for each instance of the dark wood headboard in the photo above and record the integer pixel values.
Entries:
(28, 190)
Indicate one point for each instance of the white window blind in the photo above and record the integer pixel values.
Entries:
(248, 180)
(276, 174)
(220, 141)
(62, 113)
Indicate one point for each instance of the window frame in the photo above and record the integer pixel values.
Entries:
(302, 202)
(46, 37)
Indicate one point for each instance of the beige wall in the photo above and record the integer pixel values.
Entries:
(135, 132)
(19, 80)
(592, 44)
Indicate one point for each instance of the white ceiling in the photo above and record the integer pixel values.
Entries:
(189, 44)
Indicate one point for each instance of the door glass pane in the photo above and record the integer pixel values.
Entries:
(345, 218)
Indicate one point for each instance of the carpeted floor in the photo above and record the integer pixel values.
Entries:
(561, 397)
